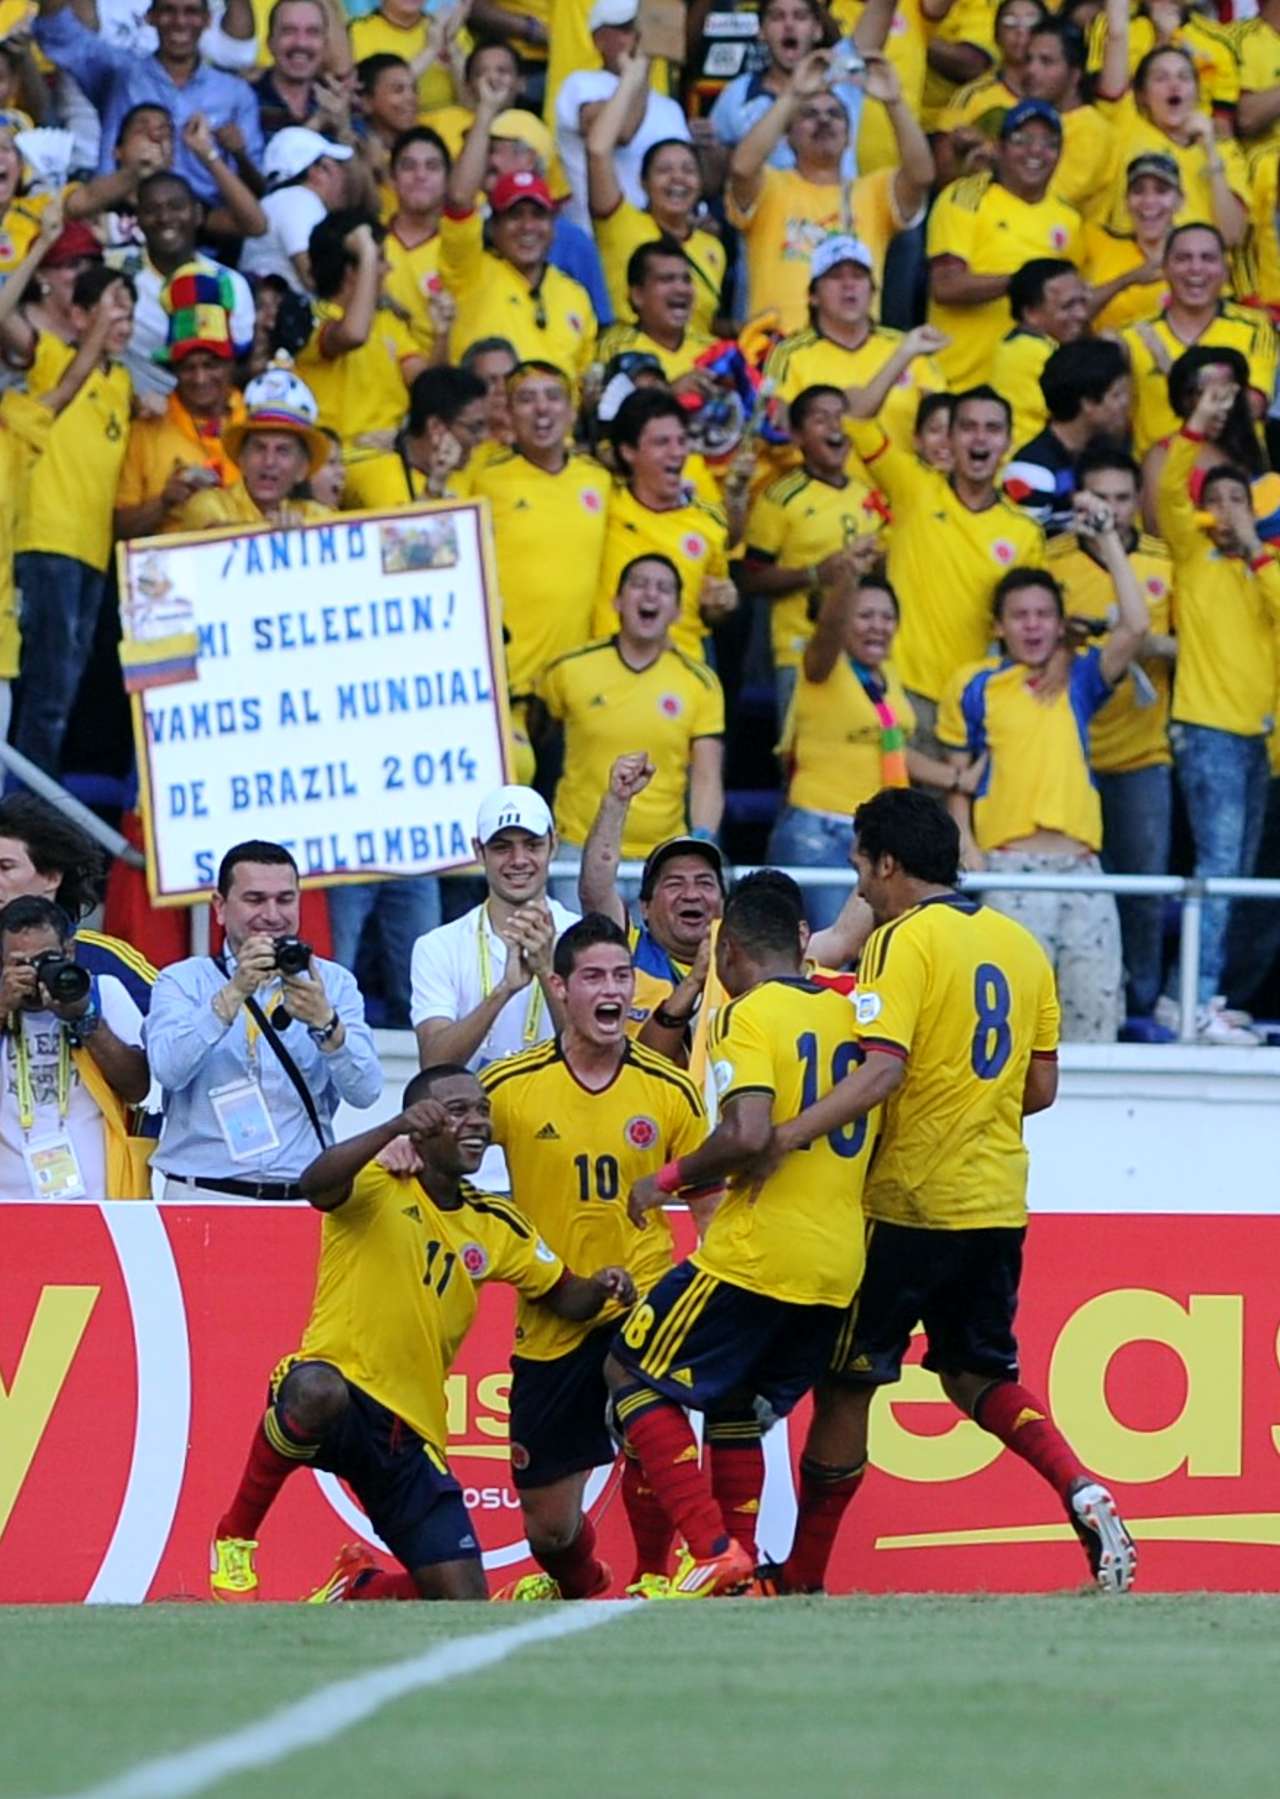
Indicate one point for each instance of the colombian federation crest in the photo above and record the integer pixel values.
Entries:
(641, 1132)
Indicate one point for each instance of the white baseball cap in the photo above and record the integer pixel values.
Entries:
(832, 251)
(514, 809)
(292, 151)
(612, 12)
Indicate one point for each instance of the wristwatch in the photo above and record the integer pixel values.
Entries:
(671, 1021)
(321, 1033)
(79, 1030)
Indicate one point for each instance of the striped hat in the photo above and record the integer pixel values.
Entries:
(199, 299)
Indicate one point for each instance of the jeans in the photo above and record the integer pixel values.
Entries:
(803, 839)
(1137, 822)
(402, 911)
(1223, 778)
(1253, 936)
(59, 609)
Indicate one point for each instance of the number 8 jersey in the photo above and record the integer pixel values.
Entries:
(800, 1237)
(966, 997)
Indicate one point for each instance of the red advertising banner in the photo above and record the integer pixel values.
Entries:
(136, 1341)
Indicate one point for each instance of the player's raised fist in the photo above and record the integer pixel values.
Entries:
(630, 775)
(616, 1283)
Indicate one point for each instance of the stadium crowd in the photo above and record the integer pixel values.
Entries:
(864, 396)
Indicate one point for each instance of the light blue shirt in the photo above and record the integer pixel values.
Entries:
(191, 1051)
(745, 100)
(115, 79)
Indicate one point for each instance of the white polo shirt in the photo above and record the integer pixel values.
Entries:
(663, 118)
(453, 969)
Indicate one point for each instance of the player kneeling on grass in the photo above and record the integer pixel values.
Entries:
(401, 1259)
(749, 1322)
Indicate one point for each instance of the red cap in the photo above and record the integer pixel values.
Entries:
(74, 242)
(520, 184)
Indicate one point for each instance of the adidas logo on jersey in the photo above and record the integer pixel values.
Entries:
(547, 1134)
(411, 1212)
(683, 1375)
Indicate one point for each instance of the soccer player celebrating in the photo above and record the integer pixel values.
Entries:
(581, 1119)
(401, 1260)
(959, 1026)
(743, 1328)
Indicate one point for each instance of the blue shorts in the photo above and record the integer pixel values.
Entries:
(403, 1483)
(700, 1340)
(961, 1285)
(558, 1413)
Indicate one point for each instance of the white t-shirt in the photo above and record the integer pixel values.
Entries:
(447, 976)
(662, 119)
(292, 215)
(83, 1123)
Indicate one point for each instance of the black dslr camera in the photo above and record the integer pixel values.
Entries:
(64, 980)
(293, 956)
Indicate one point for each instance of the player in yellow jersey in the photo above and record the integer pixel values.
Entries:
(959, 1024)
(749, 1321)
(581, 1119)
(401, 1259)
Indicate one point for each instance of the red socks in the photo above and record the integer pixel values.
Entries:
(1021, 1422)
(659, 1434)
(824, 1495)
(650, 1526)
(380, 1583)
(578, 1570)
(736, 1455)
(278, 1448)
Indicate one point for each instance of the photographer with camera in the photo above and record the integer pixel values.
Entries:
(73, 1064)
(256, 1047)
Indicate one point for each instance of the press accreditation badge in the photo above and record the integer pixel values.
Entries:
(53, 1167)
(244, 1120)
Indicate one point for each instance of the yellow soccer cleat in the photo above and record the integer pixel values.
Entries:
(717, 1577)
(351, 1561)
(233, 1579)
(527, 1590)
(650, 1586)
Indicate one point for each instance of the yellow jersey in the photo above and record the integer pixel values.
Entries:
(396, 1288)
(966, 997)
(992, 232)
(24, 435)
(413, 276)
(555, 323)
(1016, 368)
(1210, 47)
(1126, 734)
(1257, 47)
(616, 339)
(694, 536)
(574, 1156)
(213, 507)
(1037, 776)
(833, 738)
(19, 228)
(156, 445)
(549, 532)
(1255, 264)
(1136, 135)
(1107, 254)
(966, 22)
(72, 490)
(789, 220)
(375, 35)
(906, 47)
(799, 1237)
(808, 359)
(987, 94)
(1153, 347)
(797, 522)
(364, 390)
(623, 232)
(944, 562)
(607, 709)
(1083, 174)
(1226, 615)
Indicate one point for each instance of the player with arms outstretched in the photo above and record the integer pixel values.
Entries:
(401, 1262)
(959, 1021)
(749, 1322)
(580, 1119)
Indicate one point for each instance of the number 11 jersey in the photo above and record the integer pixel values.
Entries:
(966, 997)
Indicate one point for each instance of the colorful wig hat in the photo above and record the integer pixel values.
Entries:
(199, 302)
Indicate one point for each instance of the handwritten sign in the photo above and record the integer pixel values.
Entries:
(336, 687)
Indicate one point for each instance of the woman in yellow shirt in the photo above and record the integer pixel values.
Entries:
(848, 732)
(1230, 436)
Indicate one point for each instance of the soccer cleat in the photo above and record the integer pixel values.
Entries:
(767, 1582)
(650, 1586)
(717, 1576)
(351, 1561)
(233, 1579)
(527, 1590)
(1108, 1545)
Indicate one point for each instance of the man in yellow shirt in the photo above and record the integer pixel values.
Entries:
(632, 691)
(1037, 809)
(1257, 48)
(985, 227)
(419, 172)
(660, 288)
(842, 346)
(653, 508)
(958, 1041)
(1056, 71)
(1224, 689)
(1195, 267)
(786, 213)
(1050, 306)
(63, 540)
(275, 446)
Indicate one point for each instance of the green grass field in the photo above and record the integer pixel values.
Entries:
(886, 1698)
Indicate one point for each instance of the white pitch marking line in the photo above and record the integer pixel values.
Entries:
(330, 1710)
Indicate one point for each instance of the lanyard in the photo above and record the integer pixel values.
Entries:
(26, 1093)
(533, 1013)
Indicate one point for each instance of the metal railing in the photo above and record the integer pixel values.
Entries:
(1190, 891)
